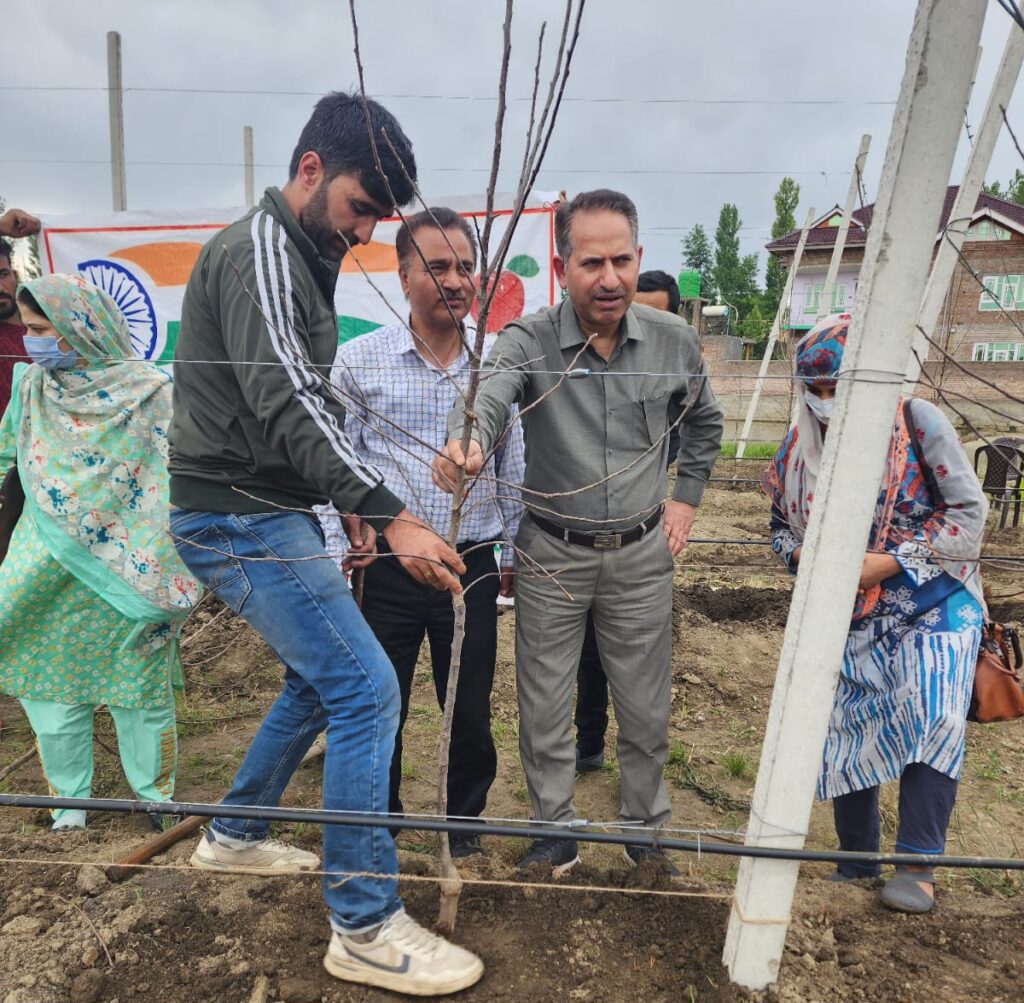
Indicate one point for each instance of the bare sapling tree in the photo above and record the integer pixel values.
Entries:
(538, 135)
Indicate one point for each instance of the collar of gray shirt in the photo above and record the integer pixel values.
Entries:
(570, 334)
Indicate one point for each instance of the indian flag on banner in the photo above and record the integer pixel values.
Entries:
(143, 259)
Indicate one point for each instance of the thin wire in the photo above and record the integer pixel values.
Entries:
(344, 876)
(488, 98)
(672, 171)
(849, 376)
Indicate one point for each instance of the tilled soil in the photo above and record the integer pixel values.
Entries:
(196, 936)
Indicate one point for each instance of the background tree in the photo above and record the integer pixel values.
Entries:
(786, 200)
(727, 267)
(1014, 190)
(735, 277)
(698, 257)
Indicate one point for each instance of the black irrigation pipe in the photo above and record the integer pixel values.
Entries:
(563, 831)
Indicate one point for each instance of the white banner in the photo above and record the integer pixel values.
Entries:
(143, 259)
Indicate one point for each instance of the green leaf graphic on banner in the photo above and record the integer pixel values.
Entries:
(524, 266)
(352, 327)
(167, 355)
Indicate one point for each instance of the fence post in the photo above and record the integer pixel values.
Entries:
(966, 199)
(247, 159)
(115, 111)
(773, 336)
(922, 142)
(825, 304)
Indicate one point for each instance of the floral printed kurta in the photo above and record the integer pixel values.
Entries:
(92, 592)
(60, 641)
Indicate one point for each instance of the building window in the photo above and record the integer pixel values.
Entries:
(998, 351)
(985, 229)
(1002, 292)
(812, 298)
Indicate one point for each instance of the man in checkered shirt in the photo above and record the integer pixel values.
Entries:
(399, 384)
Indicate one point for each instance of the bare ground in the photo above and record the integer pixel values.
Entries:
(196, 936)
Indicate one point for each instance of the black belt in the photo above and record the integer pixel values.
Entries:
(603, 539)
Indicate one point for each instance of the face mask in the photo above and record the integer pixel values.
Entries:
(44, 350)
(821, 409)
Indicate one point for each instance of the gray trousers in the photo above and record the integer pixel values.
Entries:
(630, 593)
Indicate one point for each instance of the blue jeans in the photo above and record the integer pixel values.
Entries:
(336, 677)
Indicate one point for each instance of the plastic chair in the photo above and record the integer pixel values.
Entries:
(1004, 473)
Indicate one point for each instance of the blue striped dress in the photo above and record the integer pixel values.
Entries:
(908, 666)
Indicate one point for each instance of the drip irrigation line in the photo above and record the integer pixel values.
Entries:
(564, 831)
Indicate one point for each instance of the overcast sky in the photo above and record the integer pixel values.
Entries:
(666, 138)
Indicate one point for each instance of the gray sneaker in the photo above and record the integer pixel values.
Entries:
(264, 856)
(404, 957)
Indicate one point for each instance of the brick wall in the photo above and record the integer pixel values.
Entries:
(733, 383)
(963, 323)
(721, 348)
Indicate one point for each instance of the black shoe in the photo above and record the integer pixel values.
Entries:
(589, 764)
(159, 822)
(636, 854)
(464, 844)
(559, 854)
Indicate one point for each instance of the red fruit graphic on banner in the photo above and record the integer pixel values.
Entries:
(510, 296)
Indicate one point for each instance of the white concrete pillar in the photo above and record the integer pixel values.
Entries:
(925, 129)
(966, 199)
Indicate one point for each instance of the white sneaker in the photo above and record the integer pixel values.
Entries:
(266, 856)
(404, 957)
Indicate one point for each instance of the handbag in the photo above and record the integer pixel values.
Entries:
(997, 694)
(12, 501)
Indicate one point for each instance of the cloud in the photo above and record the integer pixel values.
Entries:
(847, 51)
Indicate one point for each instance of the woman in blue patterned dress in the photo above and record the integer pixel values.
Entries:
(905, 684)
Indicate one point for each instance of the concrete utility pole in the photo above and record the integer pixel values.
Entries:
(773, 336)
(247, 159)
(825, 305)
(925, 128)
(115, 98)
(966, 199)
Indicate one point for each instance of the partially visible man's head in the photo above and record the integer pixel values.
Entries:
(334, 176)
(8, 283)
(598, 255)
(659, 290)
(446, 257)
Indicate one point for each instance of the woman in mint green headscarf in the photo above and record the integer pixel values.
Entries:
(92, 592)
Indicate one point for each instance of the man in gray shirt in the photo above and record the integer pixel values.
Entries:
(600, 536)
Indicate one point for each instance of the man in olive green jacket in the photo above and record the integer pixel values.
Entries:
(258, 439)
